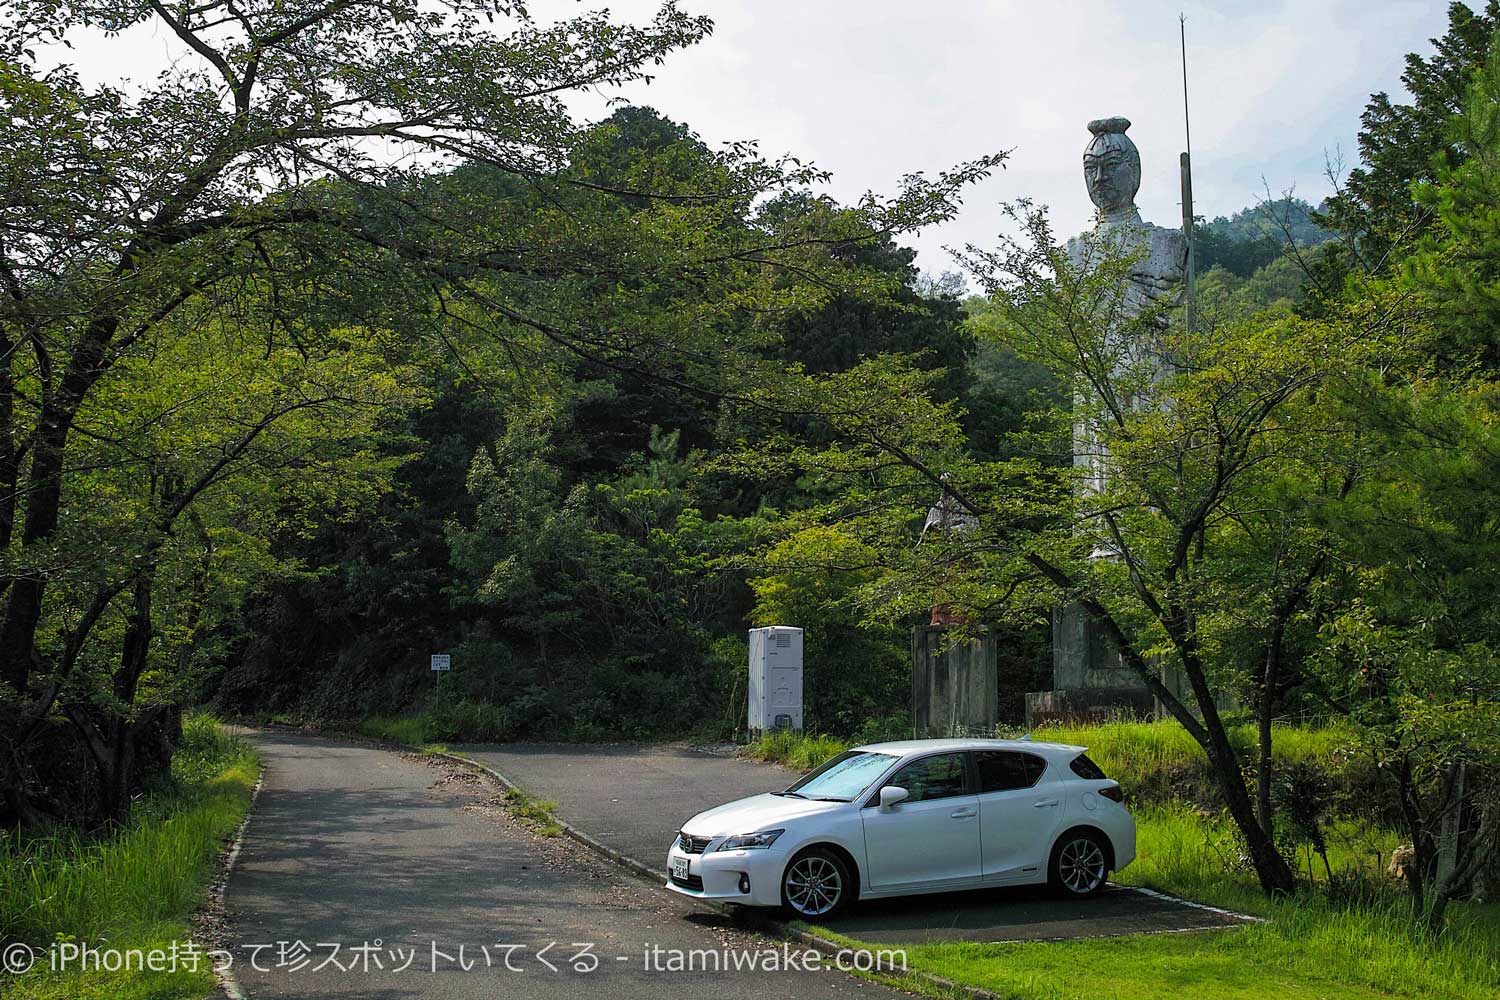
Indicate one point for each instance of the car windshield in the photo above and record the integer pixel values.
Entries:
(844, 777)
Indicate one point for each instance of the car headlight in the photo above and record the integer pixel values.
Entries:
(749, 841)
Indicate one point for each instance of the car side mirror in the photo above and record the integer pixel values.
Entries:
(891, 797)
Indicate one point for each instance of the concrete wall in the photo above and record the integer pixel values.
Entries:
(953, 689)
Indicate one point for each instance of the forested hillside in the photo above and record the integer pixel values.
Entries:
(590, 549)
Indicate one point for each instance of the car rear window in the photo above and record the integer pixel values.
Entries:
(1004, 770)
(1085, 768)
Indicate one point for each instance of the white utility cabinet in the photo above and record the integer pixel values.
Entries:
(775, 678)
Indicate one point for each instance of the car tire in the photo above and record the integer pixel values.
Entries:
(1080, 864)
(816, 885)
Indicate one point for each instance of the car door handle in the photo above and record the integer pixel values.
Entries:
(1043, 803)
(964, 813)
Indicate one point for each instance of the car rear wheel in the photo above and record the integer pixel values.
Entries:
(816, 885)
(1080, 864)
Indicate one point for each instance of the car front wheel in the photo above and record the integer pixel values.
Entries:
(816, 884)
(1079, 865)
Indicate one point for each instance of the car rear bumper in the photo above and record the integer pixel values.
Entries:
(719, 876)
(1121, 832)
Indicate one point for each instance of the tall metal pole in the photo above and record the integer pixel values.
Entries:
(1187, 186)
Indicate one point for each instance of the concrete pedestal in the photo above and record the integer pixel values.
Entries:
(1083, 656)
(1091, 680)
(954, 686)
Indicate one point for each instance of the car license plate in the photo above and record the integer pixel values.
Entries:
(679, 867)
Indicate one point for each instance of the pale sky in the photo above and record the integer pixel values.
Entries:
(873, 89)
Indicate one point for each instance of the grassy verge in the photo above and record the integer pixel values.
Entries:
(1307, 950)
(137, 889)
(455, 721)
(1314, 946)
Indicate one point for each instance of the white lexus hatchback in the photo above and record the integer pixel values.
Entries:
(895, 819)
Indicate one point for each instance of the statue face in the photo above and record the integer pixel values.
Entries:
(1113, 176)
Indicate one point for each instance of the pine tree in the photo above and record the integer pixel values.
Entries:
(1399, 143)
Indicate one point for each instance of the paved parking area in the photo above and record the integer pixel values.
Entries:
(635, 797)
(372, 875)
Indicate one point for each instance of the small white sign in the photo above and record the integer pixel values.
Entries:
(442, 661)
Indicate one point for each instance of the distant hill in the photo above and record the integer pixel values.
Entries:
(1274, 219)
(1253, 237)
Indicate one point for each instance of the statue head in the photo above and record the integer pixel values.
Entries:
(1111, 166)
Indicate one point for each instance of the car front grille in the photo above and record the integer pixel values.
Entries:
(692, 845)
(694, 882)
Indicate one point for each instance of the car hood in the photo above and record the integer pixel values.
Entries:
(758, 812)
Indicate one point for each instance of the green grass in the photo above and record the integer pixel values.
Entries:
(1354, 942)
(1308, 948)
(412, 730)
(457, 720)
(1152, 761)
(136, 889)
(796, 750)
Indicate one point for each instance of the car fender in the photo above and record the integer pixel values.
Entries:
(846, 832)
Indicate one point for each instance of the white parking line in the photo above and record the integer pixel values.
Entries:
(1197, 906)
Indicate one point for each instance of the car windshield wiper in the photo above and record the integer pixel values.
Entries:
(831, 798)
(797, 794)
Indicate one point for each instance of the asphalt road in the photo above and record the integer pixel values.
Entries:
(634, 798)
(398, 861)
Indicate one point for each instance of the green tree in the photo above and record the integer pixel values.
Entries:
(1399, 143)
(242, 183)
(1219, 464)
(1411, 657)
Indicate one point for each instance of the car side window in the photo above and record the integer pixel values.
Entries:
(1005, 770)
(936, 777)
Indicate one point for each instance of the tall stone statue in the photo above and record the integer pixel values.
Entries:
(1089, 676)
(1112, 173)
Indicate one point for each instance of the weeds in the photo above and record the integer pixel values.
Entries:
(137, 887)
(539, 814)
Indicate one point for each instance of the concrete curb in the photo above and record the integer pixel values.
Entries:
(228, 981)
(638, 867)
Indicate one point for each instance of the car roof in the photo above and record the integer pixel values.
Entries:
(907, 748)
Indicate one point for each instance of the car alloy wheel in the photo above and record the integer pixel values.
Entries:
(814, 884)
(1079, 866)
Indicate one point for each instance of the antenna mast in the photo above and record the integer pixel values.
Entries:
(1187, 186)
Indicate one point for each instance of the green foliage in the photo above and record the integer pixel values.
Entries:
(220, 307)
(1254, 239)
(1456, 266)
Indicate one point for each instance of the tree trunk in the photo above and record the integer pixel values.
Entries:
(1275, 875)
(133, 661)
(23, 609)
(1264, 763)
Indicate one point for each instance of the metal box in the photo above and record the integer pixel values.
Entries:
(775, 678)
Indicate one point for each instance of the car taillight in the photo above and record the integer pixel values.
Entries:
(1112, 792)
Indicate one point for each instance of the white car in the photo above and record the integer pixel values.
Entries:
(896, 819)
